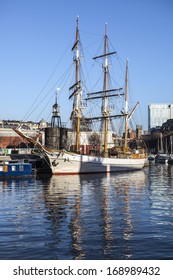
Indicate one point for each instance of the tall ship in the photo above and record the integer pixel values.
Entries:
(66, 162)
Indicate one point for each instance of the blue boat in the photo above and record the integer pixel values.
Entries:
(13, 169)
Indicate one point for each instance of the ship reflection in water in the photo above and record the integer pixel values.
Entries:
(116, 216)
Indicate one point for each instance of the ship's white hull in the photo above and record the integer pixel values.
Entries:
(69, 163)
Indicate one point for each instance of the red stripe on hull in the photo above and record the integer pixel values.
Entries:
(77, 173)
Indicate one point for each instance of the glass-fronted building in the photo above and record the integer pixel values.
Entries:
(158, 114)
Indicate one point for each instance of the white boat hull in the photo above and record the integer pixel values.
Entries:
(69, 163)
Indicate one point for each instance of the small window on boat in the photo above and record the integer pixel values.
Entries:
(21, 168)
(5, 168)
(1, 168)
(13, 168)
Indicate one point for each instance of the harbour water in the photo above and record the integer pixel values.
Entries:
(116, 216)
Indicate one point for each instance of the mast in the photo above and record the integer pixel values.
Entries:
(126, 106)
(105, 94)
(127, 114)
(105, 111)
(77, 93)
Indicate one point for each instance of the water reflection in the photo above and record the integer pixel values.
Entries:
(161, 195)
(114, 216)
(93, 212)
(11, 184)
(62, 200)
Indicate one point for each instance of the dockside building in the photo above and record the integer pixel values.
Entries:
(159, 114)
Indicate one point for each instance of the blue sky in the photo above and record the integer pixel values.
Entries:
(35, 34)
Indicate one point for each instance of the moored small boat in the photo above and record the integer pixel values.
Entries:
(14, 169)
(151, 157)
(170, 160)
(162, 158)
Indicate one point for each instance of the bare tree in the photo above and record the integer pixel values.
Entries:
(94, 139)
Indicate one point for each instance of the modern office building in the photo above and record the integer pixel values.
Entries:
(158, 114)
